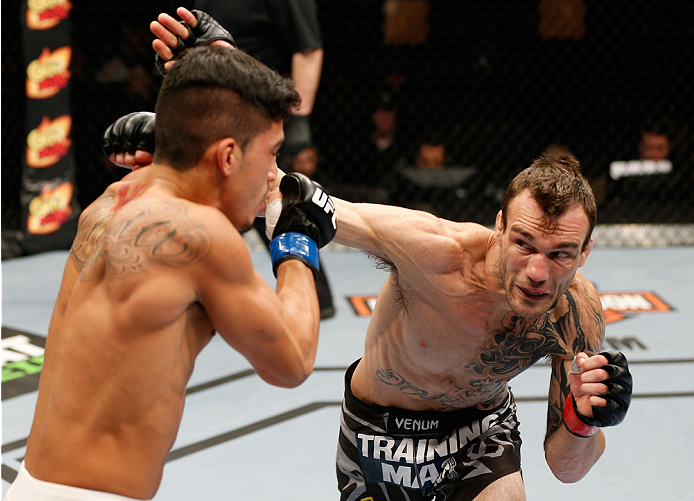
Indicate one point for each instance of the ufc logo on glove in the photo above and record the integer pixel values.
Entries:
(301, 223)
(322, 200)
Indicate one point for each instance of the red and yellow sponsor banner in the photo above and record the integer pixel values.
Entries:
(49, 205)
(49, 210)
(46, 14)
(49, 142)
(48, 74)
(617, 305)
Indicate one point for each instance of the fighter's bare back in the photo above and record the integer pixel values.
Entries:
(127, 298)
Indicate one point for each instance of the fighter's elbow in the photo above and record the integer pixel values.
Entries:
(288, 375)
(283, 380)
(570, 458)
(571, 469)
(294, 379)
(566, 476)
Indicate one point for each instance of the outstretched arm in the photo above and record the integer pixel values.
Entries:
(414, 241)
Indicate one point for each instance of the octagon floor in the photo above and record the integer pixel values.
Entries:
(241, 438)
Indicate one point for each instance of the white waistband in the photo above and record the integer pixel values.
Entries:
(27, 488)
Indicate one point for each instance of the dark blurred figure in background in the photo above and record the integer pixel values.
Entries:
(655, 141)
(130, 72)
(656, 173)
(431, 153)
(306, 162)
(556, 150)
(383, 150)
(428, 181)
(285, 35)
(373, 153)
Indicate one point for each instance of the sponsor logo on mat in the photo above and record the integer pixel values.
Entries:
(617, 305)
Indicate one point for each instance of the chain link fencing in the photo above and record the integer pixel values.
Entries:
(486, 86)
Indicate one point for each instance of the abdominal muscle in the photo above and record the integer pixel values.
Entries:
(424, 360)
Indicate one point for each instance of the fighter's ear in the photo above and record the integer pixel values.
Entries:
(499, 224)
(585, 251)
(227, 155)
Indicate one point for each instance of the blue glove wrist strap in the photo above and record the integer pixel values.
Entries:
(292, 245)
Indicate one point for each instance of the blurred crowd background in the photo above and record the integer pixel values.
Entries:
(429, 104)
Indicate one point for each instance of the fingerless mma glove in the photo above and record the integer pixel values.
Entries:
(130, 133)
(307, 222)
(205, 32)
(618, 399)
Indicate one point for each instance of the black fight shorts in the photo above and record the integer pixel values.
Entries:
(388, 453)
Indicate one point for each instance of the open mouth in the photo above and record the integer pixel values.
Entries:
(531, 294)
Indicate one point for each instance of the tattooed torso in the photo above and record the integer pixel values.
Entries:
(450, 353)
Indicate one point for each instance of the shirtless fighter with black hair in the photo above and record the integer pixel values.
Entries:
(158, 267)
(428, 412)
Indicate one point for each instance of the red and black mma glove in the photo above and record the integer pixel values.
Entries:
(130, 133)
(306, 223)
(205, 32)
(618, 397)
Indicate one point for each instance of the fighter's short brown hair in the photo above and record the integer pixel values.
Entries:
(556, 184)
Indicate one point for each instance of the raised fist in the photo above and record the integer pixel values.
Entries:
(199, 29)
(306, 222)
(130, 136)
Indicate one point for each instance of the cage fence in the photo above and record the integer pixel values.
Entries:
(431, 104)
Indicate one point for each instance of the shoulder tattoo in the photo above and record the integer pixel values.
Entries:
(161, 232)
(92, 224)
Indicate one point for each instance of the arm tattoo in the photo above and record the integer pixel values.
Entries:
(559, 386)
(555, 403)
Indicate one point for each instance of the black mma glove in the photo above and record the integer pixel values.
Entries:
(205, 32)
(297, 134)
(618, 398)
(130, 133)
(306, 222)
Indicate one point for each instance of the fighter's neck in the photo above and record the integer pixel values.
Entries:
(492, 278)
(194, 184)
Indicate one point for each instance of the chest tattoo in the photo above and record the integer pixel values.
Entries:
(520, 342)
(516, 345)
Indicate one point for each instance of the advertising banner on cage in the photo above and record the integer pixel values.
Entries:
(49, 207)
